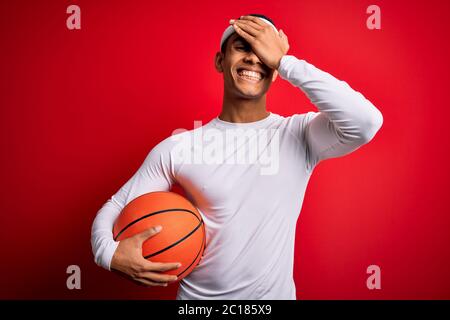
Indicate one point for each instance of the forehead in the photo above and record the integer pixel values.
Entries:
(236, 38)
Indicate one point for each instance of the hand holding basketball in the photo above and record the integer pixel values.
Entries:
(128, 260)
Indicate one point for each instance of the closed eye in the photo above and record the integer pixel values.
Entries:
(242, 48)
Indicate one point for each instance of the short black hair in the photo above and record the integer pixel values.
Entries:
(224, 45)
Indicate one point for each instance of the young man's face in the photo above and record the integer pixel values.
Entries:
(238, 58)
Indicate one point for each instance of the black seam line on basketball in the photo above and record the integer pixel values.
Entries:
(198, 253)
(203, 241)
(175, 243)
(152, 214)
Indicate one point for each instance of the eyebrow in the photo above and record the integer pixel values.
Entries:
(239, 39)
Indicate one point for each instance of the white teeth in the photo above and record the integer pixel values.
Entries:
(251, 74)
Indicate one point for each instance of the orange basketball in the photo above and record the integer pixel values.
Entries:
(182, 238)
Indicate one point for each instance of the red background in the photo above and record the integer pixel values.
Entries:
(81, 109)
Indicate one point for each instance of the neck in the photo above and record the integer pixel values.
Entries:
(241, 110)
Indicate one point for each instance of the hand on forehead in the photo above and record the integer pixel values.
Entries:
(267, 43)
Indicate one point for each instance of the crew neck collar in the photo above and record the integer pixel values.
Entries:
(254, 124)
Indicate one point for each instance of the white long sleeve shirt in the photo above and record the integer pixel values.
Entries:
(248, 181)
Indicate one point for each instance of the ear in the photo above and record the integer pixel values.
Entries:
(218, 61)
(274, 75)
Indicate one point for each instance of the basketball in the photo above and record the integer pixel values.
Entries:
(182, 238)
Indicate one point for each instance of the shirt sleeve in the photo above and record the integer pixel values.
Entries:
(345, 120)
(155, 174)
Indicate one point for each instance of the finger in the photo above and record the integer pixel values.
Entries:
(142, 282)
(157, 277)
(243, 34)
(255, 20)
(251, 23)
(141, 237)
(248, 28)
(161, 267)
(147, 283)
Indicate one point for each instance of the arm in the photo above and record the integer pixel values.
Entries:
(346, 119)
(154, 174)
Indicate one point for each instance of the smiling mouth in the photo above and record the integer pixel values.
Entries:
(249, 76)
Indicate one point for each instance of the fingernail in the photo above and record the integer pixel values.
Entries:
(158, 228)
(165, 284)
(231, 20)
(178, 265)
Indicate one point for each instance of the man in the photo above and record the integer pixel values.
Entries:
(250, 215)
